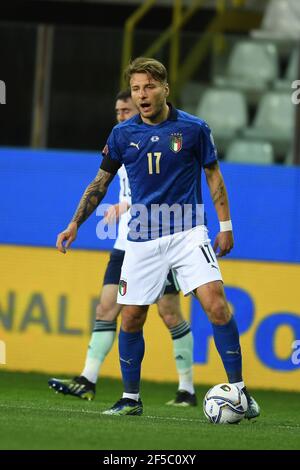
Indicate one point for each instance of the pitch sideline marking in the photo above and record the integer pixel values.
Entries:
(72, 410)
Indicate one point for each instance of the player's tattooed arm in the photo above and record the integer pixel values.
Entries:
(224, 240)
(218, 191)
(219, 194)
(91, 198)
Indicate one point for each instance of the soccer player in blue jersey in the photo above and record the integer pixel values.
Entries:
(107, 311)
(164, 150)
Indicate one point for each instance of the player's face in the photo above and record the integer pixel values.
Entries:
(125, 109)
(149, 96)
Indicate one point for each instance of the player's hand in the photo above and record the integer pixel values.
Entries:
(223, 243)
(114, 213)
(65, 238)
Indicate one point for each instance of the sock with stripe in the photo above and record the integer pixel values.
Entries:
(101, 342)
(183, 353)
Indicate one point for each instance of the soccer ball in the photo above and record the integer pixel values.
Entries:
(225, 404)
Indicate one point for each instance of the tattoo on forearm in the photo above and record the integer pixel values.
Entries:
(92, 196)
(219, 194)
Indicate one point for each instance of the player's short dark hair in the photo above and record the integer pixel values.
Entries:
(152, 67)
(124, 95)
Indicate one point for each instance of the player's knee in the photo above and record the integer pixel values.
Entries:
(219, 312)
(169, 311)
(133, 318)
(170, 317)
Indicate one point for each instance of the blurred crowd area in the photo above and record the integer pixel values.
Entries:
(61, 78)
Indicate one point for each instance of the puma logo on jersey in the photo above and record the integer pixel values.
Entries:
(133, 144)
(213, 266)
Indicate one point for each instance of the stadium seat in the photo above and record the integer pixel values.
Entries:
(281, 20)
(252, 66)
(291, 72)
(190, 95)
(243, 151)
(274, 121)
(225, 111)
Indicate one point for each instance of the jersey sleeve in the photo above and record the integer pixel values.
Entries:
(112, 155)
(207, 151)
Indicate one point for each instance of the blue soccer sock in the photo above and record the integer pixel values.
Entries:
(131, 351)
(227, 342)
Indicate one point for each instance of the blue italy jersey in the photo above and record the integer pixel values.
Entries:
(163, 164)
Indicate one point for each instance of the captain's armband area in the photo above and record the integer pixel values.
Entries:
(110, 165)
(212, 166)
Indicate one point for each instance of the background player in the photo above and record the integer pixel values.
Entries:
(107, 311)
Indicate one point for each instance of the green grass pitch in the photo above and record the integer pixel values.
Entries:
(34, 417)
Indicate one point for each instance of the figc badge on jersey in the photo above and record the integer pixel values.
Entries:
(176, 142)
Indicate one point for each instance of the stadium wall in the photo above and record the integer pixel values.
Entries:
(47, 300)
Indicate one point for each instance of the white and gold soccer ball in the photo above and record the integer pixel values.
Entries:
(225, 404)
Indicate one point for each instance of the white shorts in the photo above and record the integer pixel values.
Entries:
(146, 266)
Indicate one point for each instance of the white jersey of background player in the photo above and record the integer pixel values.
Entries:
(125, 202)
